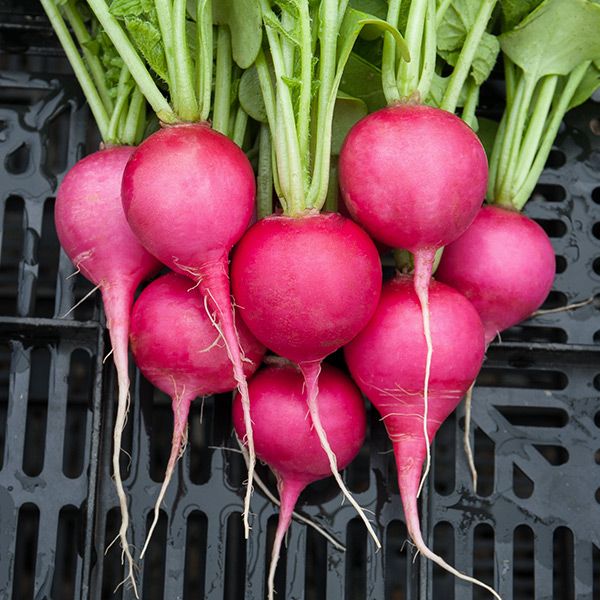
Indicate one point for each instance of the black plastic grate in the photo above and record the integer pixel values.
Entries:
(531, 529)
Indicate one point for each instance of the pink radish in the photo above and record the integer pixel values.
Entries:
(285, 439)
(93, 231)
(306, 286)
(387, 361)
(504, 264)
(414, 176)
(188, 193)
(177, 348)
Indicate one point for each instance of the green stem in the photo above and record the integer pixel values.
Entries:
(408, 72)
(331, 201)
(239, 126)
(515, 137)
(95, 66)
(136, 107)
(535, 130)
(509, 77)
(83, 77)
(306, 67)
(467, 55)
(441, 12)
(164, 14)
(495, 159)
(502, 144)
(287, 155)
(328, 34)
(264, 179)
(222, 101)
(185, 103)
(204, 60)
(131, 58)
(468, 112)
(142, 122)
(430, 53)
(388, 60)
(124, 88)
(550, 133)
(278, 145)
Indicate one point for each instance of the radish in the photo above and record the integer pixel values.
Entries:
(93, 231)
(414, 176)
(286, 440)
(504, 264)
(177, 348)
(387, 361)
(188, 194)
(306, 286)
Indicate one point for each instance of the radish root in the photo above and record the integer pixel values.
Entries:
(181, 409)
(219, 308)
(424, 260)
(117, 306)
(288, 493)
(311, 371)
(297, 516)
(467, 437)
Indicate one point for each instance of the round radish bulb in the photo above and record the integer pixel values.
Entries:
(387, 361)
(504, 264)
(306, 286)
(413, 176)
(178, 350)
(188, 194)
(92, 229)
(288, 443)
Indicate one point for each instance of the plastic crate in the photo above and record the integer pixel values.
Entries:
(531, 530)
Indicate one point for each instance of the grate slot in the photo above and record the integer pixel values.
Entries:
(195, 557)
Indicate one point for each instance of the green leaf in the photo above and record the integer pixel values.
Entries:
(250, 95)
(377, 8)
(275, 23)
(514, 11)
(353, 23)
(484, 60)
(147, 38)
(458, 20)
(244, 19)
(556, 37)
(130, 8)
(589, 84)
(362, 80)
(347, 112)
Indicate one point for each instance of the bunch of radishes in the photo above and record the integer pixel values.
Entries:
(412, 175)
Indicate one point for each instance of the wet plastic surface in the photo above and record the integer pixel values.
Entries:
(531, 530)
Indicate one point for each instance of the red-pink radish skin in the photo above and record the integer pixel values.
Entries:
(287, 442)
(413, 176)
(504, 264)
(93, 231)
(178, 350)
(188, 194)
(306, 286)
(387, 361)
